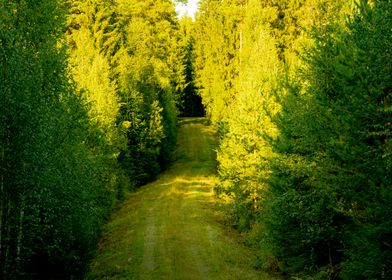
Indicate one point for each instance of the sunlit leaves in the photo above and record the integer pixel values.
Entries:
(304, 105)
(53, 196)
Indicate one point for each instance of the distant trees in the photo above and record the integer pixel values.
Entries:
(135, 53)
(216, 47)
(300, 91)
(191, 104)
(150, 76)
(88, 110)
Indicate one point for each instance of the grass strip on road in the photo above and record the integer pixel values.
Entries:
(172, 228)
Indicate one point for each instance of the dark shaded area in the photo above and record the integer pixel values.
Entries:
(333, 169)
(192, 105)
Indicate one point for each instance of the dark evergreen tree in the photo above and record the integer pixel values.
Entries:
(191, 102)
(327, 210)
(61, 140)
(53, 200)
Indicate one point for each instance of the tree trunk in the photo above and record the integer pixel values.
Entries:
(20, 233)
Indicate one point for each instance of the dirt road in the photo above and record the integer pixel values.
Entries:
(172, 228)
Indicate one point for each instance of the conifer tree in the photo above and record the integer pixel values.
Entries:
(287, 140)
(53, 198)
(90, 25)
(150, 75)
(66, 122)
(132, 48)
(216, 63)
(333, 163)
(266, 39)
(191, 104)
(244, 151)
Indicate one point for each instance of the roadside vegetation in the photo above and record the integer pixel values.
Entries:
(89, 95)
(298, 93)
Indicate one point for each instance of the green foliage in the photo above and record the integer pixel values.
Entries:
(299, 92)
(244, 152)
(54, 189)
(132, 49)
(332, 171)
(75, 109)
(241, 94)
(216, 50)
(305, 147)
(149, 75)
(191, 103)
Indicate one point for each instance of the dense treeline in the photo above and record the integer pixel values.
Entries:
(127, 57)
(300, 94)
(299, 91)
(191, 104)
(89, 91)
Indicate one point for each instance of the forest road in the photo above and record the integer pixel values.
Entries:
(173, 228)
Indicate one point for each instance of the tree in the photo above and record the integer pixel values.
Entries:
(149, 75)
(332, 169)
(191, 104)
(217, 42)
(132, 48)
(52, 201)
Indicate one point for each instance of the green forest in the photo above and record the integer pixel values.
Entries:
(298, 92)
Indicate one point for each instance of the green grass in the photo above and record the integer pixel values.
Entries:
(173, 228)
